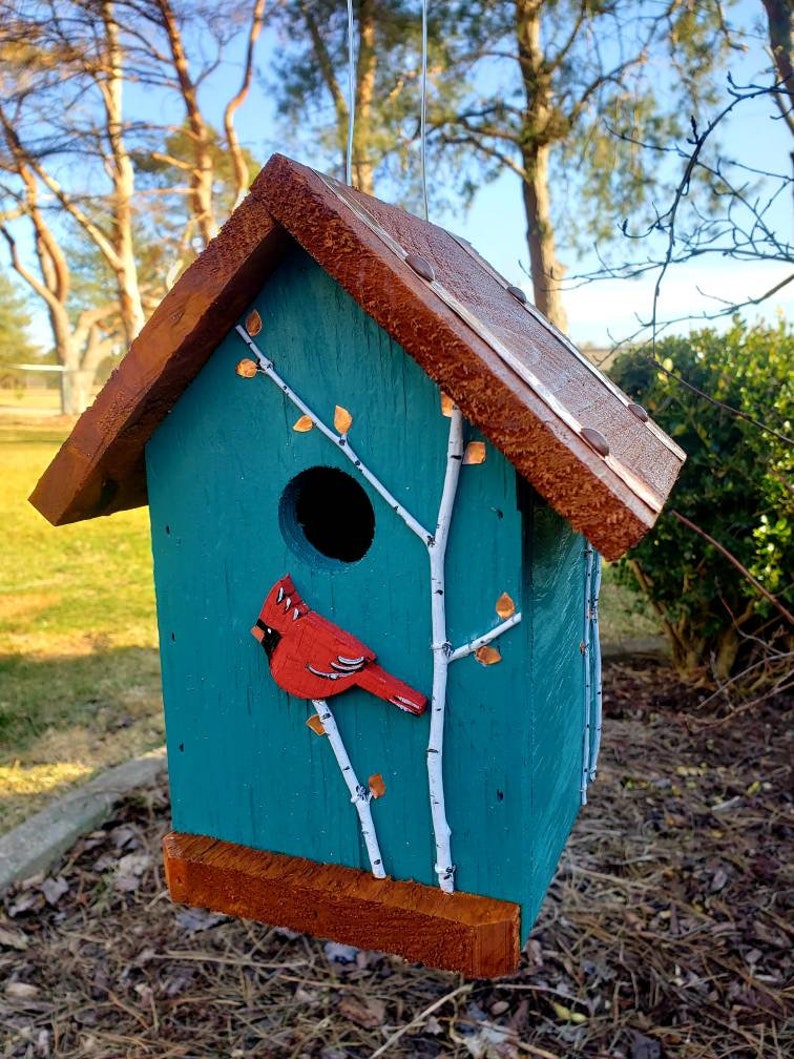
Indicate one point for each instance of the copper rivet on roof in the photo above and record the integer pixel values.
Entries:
(596, 440)
(638, 411)
(421, 267)
(517, 293)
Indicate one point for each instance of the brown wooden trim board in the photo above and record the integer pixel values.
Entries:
(478, 936)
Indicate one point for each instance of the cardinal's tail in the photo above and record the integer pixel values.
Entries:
(377, 681)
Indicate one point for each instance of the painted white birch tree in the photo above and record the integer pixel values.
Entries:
(436, 544)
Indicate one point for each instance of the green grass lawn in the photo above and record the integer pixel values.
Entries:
(79, 672)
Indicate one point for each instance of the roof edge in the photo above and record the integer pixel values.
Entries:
(100, 468)
(408, 307)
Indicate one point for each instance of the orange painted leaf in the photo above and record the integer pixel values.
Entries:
(487, 655)
(246, 369)
(377, 787)
(303, 424)
(253, 323)
(343, 420)
(475, 452)
(505, 607)
(447, 404)
(315, 724)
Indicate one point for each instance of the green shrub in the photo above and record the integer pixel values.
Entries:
(737, 485)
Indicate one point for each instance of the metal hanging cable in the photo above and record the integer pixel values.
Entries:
(351, 95)
(423, 111)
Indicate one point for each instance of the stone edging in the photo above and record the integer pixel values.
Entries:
(38, 841)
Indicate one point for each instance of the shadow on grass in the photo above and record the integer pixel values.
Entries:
(62, 718)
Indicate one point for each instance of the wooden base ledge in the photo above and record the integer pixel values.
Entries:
(477, 936)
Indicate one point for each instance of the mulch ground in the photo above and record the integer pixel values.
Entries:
(667, 932)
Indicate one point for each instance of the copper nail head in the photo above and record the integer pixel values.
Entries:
(517, 293)
(421, 267)
(638, 411)
(596, 440)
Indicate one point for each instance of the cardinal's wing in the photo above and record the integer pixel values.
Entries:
(334, 652)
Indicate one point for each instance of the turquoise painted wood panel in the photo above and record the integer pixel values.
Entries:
(243, 765)
(555, 604)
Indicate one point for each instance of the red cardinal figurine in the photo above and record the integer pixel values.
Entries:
(312, 658)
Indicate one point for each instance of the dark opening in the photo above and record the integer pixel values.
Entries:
(329, 510)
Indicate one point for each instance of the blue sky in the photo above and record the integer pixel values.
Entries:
(600, 312)
(612, 310)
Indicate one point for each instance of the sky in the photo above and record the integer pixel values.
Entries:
(604, 312)
(608, 311)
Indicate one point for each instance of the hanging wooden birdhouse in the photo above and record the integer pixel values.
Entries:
(378, 483)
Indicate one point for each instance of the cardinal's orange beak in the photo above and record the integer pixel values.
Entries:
(257, 633)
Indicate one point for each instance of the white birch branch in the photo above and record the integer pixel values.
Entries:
(340, 440)
(443, 652)
(360, 796)
(588, 691)
(596, 649)
(474, 645)
(437, 547)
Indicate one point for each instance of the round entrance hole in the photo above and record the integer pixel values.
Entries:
(325, 514)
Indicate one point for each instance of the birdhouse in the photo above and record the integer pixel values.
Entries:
(380, 484)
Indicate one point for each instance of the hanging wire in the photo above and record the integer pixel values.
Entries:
(351, 95)
(423, 110)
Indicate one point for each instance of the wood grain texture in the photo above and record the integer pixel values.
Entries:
(474, 935)
(100, 468)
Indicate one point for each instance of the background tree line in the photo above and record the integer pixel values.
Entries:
(121, 152)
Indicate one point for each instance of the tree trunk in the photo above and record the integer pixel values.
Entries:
(535, 143)
(780, 15)
(239, 163)
(545, 269)
(122, 174)
(363, 171)
(201, 175)
(72, 402)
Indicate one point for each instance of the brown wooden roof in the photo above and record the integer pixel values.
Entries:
(568, 430)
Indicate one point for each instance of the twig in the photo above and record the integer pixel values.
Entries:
(417, 1019)
(735, 562)
(473, 645)
(359, 795)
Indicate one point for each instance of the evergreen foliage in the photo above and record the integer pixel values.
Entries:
(736, 486)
